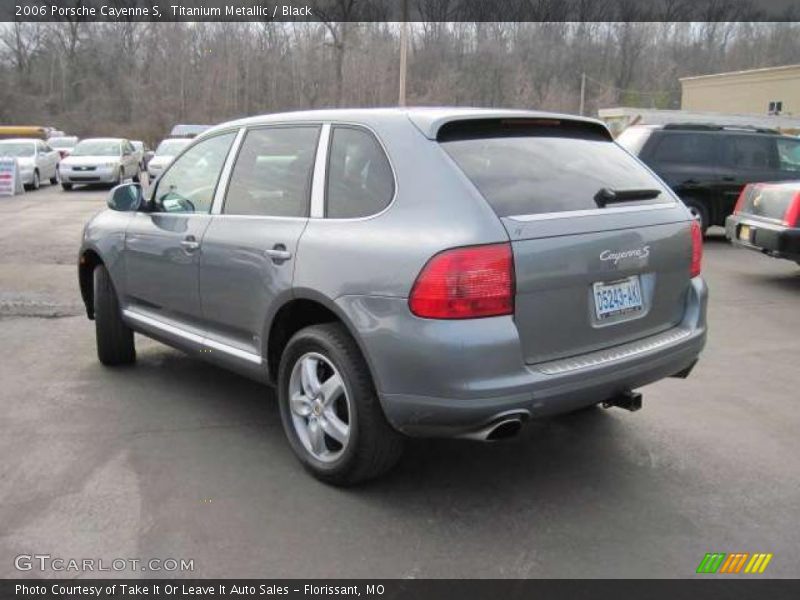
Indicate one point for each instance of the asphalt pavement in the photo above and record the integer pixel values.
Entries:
(173, 458)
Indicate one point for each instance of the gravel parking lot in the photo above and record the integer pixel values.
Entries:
(177, 459)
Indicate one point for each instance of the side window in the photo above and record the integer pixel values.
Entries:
(272, 174)
(40, 147)
(789, 154)
(189, 184)
(697, 148)
(360, 181)
(750, 152)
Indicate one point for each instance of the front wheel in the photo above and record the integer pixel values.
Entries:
(54, 178)
(115, 344)
(66, 186)
(36, 182)
(330, 410)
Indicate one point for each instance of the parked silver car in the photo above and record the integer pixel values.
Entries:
(63, 144)
(100, 160)
(36, 159)
(431, 272)
(166, 151)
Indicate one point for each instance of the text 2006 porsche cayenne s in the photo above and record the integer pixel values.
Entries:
(421, 272)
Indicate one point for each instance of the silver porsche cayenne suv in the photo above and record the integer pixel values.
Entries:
(393, 272)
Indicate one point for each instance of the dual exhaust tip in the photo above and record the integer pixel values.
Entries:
(509, 425)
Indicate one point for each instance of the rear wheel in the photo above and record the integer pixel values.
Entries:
(54, 178)
(115, 344)
(330, 410)
(699, 212)
(36, 182)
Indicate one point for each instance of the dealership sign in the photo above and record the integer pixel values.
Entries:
(10, 182)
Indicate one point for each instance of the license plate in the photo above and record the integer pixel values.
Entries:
(617, 297)
(744, 233)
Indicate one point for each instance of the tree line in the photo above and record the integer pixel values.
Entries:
(137, 79)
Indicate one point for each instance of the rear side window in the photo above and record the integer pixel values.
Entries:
(272, 175)
(789, 154)
(750, 152)
(547, 172)
(360, 181)
(693, 148)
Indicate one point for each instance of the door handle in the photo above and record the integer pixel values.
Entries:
(278, 253)
(190, 244)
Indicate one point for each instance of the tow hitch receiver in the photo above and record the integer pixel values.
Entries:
(631, 401)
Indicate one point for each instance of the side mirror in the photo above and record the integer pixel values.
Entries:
(127, 197)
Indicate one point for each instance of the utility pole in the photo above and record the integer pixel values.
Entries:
(583, 93)
(403, 54)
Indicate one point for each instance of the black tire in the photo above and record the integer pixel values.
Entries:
(54, 178)
(37, 182)
(66, 187)
(699, 211)
(374, 446)
(137, 178)
(115, 344)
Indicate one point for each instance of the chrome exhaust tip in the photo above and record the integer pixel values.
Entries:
(500, 428)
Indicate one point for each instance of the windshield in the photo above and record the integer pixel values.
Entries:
(16, 149)
(171, 147)
(531, 174)
(97, 148)
(64, 142)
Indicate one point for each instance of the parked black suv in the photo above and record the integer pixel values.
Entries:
(708, 165)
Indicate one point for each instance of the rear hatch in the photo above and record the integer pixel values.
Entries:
(602, 250)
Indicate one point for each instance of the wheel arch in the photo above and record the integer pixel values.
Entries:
(88, 261)
(304, 307)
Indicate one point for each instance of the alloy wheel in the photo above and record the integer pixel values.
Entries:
(320, 407)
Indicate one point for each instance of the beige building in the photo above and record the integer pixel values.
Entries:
(770, 91)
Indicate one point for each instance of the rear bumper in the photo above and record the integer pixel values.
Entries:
(773, 239)
(440, 378)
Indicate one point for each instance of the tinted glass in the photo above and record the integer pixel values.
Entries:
(750, 152)
(789, 154)
(189, 184)
(541, 174)
(272, 174)
(694, 148)
(360, 181)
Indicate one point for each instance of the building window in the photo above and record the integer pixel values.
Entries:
(775, 107)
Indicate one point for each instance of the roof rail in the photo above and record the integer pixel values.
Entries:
(717, 127)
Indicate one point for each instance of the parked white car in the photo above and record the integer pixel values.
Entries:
(100, 160)
(166, 151)
(63, 144)
(144, 154)
(37, 160)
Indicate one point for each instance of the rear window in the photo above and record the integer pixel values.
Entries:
(549, 170)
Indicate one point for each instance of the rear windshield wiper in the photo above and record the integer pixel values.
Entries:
(607, 195)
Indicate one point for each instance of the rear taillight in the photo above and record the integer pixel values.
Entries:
(740, 201)
(791, 218)
(697, 249)
(465, 283)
